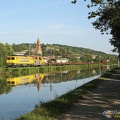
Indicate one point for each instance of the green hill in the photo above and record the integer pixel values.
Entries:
(71, 52)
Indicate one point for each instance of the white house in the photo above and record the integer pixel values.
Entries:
(62, 60)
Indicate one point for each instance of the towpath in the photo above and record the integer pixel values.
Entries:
(105, 97)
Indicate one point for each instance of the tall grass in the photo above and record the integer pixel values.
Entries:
(42, 69)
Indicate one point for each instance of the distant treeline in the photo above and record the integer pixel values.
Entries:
(74, 54)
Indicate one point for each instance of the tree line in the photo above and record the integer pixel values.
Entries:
(74, 54)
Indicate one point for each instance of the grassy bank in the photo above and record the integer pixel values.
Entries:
(53, 109)
(42, 69)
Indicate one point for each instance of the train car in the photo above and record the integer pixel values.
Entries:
(19, 61)
(38, 61)
(13, 61)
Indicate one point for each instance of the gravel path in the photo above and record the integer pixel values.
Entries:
(105, 97)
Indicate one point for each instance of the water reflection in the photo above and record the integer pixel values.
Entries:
(6, 85)
(68, 75)
(19, 95)
(4, 88)
(26, 80)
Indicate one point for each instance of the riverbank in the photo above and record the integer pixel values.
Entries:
(72, 103)
(106, 96)
(43, 69)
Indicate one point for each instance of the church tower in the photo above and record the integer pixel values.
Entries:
(38, 47)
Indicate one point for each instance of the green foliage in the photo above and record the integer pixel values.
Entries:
(9, 49)
(21, 47)
(74, 1)
(76, 50)
(74, 54)
(5, 50)
(108, 19)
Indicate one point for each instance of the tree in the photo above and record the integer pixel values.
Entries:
(9, 49)
(108, 19)
(5, 50)
(2, 54)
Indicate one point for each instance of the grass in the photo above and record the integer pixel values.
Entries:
(43, 69)
(53, 109)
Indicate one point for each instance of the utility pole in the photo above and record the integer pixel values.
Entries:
(29, 49)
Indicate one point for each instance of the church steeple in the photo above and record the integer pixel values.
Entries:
(38, 47)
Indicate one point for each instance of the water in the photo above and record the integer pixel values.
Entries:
(19, 95)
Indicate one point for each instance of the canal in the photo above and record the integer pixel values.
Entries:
(20, 94)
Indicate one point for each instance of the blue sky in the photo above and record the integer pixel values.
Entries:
(52, 21)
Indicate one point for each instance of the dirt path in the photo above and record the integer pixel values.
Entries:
(105, 97)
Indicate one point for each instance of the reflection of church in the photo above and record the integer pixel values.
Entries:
(38, 49)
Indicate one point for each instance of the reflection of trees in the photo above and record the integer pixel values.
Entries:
(4, 88)
(73, 75)
(70, 75)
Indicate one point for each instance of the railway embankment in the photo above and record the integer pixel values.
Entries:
(91, 101)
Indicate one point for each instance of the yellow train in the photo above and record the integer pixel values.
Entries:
(13, 61)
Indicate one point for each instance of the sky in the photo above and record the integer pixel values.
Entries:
(52, 21)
